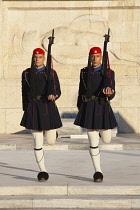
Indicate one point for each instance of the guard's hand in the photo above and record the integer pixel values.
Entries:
(108, 91)
(52, 97)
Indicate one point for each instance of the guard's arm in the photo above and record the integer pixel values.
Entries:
(54, 91)
(25, 92)
(82, 90)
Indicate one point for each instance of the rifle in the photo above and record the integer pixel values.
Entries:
(49, 61)
(105, 64)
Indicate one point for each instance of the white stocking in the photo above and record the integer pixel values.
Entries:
(38, 150)
(106, 136)
(93, 137)
(50, 136)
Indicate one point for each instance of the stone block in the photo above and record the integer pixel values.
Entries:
(13, 82)
(3, 97)
(130, 96)
(137, 3)
(117, 100)
(2, 121)
(74, 71)
(115, 15)
(128, 120)
(128, 15)
(16, 203)
(67, 109)
(69, 71)
(76, 51)
(121, 70)
(138, 39)
(12, 121)
(139, 119)
(33, 190)
(55, 147)
(86, 203)
(24, 146)
(1, 70)
(69, 82)
(137, 15)
(135, 203)
(127, 3)
(7, 147)
(13, 97)
(114, 49)
(128, 31)
(106, 190)
(130, 51)
(99, 13)
(127, 81)
(68, 97)
(61, 70)
(14, 72)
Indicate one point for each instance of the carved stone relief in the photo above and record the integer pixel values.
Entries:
(73, 41)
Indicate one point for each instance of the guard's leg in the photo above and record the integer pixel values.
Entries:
(93, 137)
(38, 150)
(51, 136)
(106, 135)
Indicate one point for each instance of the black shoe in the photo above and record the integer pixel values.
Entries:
(43, 176)
(98, 177)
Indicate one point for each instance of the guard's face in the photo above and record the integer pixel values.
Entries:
(96, 59)
(39, 60)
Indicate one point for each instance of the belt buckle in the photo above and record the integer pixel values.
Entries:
(38, 97)
(93, 97)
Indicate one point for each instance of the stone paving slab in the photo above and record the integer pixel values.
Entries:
(68, 209)
(25, 142)
(70, 202)
(69, 168)
(70, 190)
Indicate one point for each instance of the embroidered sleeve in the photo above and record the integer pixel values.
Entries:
(82, 87)
(54, 86)
(25, 91)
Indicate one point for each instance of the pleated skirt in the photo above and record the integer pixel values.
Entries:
(41, 116)
(93, 115)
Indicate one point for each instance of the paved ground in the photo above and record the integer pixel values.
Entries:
(69, 166)
(70, 171)
(19, 168)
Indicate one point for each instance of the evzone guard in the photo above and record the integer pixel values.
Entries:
(96, 89)
(40, 90)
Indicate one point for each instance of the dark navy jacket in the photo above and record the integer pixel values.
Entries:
(41, 86)
(98, 84)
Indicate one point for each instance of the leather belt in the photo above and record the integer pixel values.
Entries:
(84, 99)
(37, 97)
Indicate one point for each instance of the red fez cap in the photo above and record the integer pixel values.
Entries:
(38, 51)
(95, 50)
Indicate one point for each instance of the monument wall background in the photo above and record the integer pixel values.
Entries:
(78, 25)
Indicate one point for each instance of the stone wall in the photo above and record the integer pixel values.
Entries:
(78, 25)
